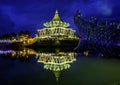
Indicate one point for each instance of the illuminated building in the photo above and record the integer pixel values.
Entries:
(26, 40)
(56, 29)
(56, 62)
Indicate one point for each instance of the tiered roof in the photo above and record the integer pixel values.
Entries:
(56, 22)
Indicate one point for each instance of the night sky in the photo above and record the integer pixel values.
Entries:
(22, 15)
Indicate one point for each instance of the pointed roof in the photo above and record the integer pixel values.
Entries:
(56, 16)
(57, 75)
(56, 22)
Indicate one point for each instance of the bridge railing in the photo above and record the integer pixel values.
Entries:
(5, 41)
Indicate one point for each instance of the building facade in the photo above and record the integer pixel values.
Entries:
(56, 29)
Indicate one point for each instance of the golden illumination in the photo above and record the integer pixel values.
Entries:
(56, 29)
(56, 62)
(86, 53)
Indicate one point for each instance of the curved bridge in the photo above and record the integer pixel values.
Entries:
(5, 41)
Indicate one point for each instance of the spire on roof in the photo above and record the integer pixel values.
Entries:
(57, 75)
(56, 16)
(56, 22)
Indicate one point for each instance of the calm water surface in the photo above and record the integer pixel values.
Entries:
(56, 67)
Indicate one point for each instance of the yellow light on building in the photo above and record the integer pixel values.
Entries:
(56, 29)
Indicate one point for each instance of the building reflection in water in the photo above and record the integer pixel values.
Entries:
(55, 61)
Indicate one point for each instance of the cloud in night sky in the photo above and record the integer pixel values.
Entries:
(104, 8)
(17, 15)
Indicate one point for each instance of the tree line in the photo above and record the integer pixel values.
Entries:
(14, 35)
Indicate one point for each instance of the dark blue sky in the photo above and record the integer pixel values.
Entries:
(17, 15)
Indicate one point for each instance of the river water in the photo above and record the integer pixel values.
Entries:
(56, 66)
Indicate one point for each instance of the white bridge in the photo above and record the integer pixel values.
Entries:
(5, 51)
(5, 41)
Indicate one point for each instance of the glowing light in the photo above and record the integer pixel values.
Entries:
(86, 53)
(5, 41)
(5, 51)
(56, 67)
(56, 29)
